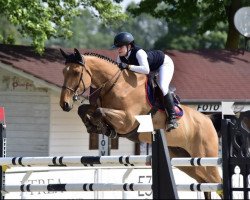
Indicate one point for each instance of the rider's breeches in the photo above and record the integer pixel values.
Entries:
(165, 74)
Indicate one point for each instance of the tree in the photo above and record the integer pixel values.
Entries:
(180, 37)
(43, 19)
(8, 32)
(209, 13)
(91, 33)
(145, 29)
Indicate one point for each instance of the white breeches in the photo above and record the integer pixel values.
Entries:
(165, 74)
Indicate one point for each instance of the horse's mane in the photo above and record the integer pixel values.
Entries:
(101, 56)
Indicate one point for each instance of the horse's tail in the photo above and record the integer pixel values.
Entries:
(216, 119)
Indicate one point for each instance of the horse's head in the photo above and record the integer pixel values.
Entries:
(77, 79)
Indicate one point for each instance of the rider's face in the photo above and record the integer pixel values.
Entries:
(122, 51)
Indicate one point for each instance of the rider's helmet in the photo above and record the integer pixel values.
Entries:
(123, 38)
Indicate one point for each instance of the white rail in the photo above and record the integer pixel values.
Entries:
(206, 187)
(94, 161)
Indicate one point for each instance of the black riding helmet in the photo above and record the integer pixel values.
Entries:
(123, 38)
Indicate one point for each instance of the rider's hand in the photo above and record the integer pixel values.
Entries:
(123, 66)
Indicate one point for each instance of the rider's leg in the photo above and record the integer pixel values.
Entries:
(164, 78)
(170, 110)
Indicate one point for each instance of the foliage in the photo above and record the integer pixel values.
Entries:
(180, 37)
(91, 33)
(210, 14)
(8, 32)
(43, 19)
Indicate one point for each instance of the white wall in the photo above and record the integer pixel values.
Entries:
(27, 115)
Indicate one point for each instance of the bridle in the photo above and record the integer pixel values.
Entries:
(75, 96)
(75, 91)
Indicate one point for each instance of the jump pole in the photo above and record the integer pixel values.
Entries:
(125, 161)
(163, 186)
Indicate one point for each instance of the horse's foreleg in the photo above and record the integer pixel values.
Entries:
(85, 109)
(85, 112)
(118, 119)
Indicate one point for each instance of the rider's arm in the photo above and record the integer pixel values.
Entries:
(121, 65)
(118, 60)
(143, 66)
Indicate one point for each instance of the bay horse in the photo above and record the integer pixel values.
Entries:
(122, 96)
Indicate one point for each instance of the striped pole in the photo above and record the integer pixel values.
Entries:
(86, 161)
(91, 161)
(212, 161)
(78, 187)
(205, 187)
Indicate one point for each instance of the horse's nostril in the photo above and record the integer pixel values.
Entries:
(66, 107)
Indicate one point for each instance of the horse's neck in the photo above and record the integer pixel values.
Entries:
(102, 71)
(118, 83)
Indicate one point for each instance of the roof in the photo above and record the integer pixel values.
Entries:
(200, 75)
(212, 75)
(47, 67)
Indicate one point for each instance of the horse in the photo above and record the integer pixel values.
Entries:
(121, 97)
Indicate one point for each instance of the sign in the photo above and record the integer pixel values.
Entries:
(227, 108)
(104, 145)
(209, 107)
(146, 124)
(217, 107)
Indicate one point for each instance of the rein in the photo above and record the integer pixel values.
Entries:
(118, 73)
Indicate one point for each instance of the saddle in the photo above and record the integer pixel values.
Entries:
(155, 96)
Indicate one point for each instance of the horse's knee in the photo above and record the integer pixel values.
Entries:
(81, 110)
(84, 109)
(98, 114)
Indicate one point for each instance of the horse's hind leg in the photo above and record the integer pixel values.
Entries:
(206, 146)
(200, 173)
(207, 174)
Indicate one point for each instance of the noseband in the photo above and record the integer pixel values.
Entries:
(75, 96)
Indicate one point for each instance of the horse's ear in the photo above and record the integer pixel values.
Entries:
(63, 54)
(78, 56)
(77, 53)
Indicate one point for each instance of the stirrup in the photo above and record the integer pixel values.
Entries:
(173, 125)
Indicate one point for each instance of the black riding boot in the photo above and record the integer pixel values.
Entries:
(169, 108)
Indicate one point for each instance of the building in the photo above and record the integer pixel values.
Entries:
(37, 126)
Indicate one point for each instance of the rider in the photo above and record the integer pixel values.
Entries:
(138, 60)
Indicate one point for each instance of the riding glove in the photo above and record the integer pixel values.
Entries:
(123, 66)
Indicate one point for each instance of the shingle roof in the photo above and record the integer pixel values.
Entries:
(212, 74)
(204, 75)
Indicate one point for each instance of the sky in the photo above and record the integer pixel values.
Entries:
(126, 2)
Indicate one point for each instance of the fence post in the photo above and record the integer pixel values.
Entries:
(163, 186)
(2, 148)
(227, 182)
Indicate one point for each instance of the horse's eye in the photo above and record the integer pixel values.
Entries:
(75, 73)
